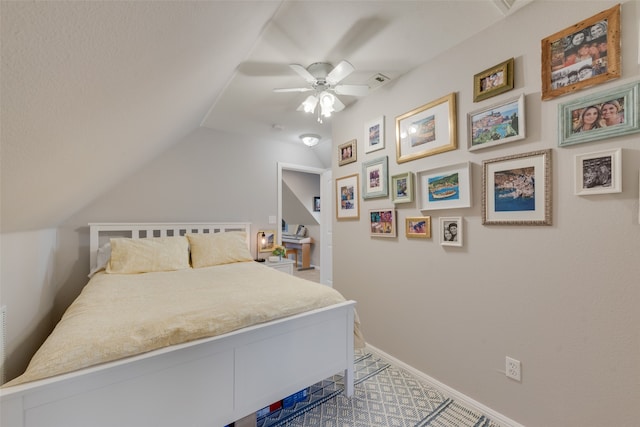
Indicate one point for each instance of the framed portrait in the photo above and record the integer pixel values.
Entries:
(583, 55)
(347, 152)
(267, 243)
(427, 130)
(382, 222)
(447, 187)
(374, 135)
(347, 197)
(598, 173)
(316, 204)
(450, 231)
(375, 178)
(493, 81)
(517, 189)
(602, 115)
(402, 188)
(418, 227)
(497, 124)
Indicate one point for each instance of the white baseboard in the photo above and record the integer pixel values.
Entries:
(466, 400)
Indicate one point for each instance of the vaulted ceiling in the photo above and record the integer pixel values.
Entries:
(93, 90)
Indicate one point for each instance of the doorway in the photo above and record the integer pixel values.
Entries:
(323, 252)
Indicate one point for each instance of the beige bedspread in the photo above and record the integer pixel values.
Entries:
(120, 315)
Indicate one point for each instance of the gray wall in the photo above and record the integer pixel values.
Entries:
(562, 299)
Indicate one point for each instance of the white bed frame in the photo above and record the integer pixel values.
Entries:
(209, 382)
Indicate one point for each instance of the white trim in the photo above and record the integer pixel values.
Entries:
(466, 400)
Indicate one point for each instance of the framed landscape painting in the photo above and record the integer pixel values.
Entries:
(516, 189)
(427, 130)
(583, 55)
(447, 187)
(497, 124)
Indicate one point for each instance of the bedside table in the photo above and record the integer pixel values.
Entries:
(286, 265)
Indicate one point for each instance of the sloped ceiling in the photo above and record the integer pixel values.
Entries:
(92, 90)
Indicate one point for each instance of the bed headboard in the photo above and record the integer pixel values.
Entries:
(100, 233)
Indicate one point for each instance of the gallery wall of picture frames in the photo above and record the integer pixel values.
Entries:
(516, 188)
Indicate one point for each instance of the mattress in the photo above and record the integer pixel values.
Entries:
(121, 315)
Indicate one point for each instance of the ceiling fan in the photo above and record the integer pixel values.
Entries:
(324, 80)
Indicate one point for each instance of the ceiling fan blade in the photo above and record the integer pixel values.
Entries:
(337, 105)
(293, 89)
(355, 90)
(306, 75)
(339, 72)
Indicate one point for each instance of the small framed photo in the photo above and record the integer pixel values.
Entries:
(418, 227)
(582, 55)
(447, 187)
(602, 115)
(382, 222)
(516, 190)
(599, 173)
(451, 231)
(402, 188)
(347, 152)
(374, 135)
(498, 124)
(375, 178)
(316, 204)
(427, 130)
(266, 243)
(347, 198)
(493, 81)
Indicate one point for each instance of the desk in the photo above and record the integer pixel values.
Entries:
(304, 247)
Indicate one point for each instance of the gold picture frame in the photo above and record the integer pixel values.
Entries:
(427, 130)
(418, 227)
(493, 81)
(569, 62)
(347, 152)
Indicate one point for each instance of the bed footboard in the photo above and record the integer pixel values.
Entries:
(210, 382)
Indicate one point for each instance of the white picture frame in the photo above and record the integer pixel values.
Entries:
(374, 136)
(487, 129)
(598, 172)
(447, 187)
(449, 237)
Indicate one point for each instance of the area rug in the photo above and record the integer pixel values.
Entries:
(385, 395)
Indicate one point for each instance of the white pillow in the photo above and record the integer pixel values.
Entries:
(129, 256)
(102, 258)
(212, 249)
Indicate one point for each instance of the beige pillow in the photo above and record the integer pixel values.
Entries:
(146, 255)
(212, 249)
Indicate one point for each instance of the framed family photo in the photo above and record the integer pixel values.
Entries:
(418, 227)
(583, 55)
(374, 135)
(493, 81)
(382, 222)
(497, 124)
(602, 115)
(598, 173)
(347, 152)
(447, 187)
(375, 178)
(516, 189)
(402, 188)
(427, 130)
(347, 197)
(451, 231)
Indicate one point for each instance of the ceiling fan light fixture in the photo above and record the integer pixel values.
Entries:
(309, 104)
(326, 103)
(310, 139)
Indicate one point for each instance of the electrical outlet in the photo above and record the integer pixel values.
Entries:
(513, 369)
